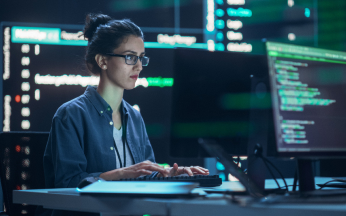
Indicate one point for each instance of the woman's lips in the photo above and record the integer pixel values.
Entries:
(134, 76)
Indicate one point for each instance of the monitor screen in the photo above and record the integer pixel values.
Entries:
(211, 99)
(308, 88)
(43, 67)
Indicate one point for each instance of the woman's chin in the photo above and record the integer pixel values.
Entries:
(130, 87)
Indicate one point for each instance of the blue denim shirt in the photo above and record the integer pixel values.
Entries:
(81, 143)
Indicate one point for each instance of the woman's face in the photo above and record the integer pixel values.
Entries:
(118, 72)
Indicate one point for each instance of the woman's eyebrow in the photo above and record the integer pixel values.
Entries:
(131, 51)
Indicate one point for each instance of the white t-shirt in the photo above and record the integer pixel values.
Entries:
(117, 135)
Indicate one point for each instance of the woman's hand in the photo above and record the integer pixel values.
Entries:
(192, 170)
(134, 171)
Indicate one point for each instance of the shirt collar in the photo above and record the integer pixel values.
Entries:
(99, 103)
(123, 107)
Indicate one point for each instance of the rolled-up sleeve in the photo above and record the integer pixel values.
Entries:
(65, 150)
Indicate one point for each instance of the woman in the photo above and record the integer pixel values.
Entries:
(99, 134)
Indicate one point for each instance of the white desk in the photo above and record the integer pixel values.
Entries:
(70, 199)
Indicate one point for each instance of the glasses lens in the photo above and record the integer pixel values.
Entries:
(145, 61)
(131, 59)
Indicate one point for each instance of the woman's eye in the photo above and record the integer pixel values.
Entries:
(133, 57)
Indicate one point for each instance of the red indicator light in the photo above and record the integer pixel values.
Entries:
(17, 148)
(18, 187)
(17, 98)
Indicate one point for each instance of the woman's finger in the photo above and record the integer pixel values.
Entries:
(188, 171)
(144, 172)
(197, 170)
(145, 163)
(152, 167)
(180, 171)
(202, 168)
(148, 162)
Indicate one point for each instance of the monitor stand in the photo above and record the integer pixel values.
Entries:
(305, 175)
(306, 179)
(307, 192)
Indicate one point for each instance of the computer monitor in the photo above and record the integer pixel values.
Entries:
(42, 67)
(211, 99)
(308, 90)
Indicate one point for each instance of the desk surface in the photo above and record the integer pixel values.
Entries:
(70, 199)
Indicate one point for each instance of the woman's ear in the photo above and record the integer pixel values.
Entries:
(101, 61)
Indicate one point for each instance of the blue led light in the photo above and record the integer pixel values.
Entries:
(220, 47)
(220, 2)
(222, 176)
(220, 24)
(219, 166)
(307, 12)
(219, 12)
(219, 36)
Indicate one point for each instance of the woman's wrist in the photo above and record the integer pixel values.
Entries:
(112, 175)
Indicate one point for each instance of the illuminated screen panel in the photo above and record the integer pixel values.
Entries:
(240, 25)
(231, 25)
(43, 67)
(309, 90)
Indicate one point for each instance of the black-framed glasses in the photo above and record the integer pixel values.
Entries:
(132, 59)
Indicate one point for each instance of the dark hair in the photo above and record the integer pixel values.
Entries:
(105, 34)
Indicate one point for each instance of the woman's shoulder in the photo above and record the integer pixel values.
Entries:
(72, 107)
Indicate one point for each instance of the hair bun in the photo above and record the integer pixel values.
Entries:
(93, 21)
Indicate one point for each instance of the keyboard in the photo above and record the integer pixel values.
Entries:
(203, 180)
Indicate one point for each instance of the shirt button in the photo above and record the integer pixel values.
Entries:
(112, 148)
(111, 123)
(109, 109)
(101, 112)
